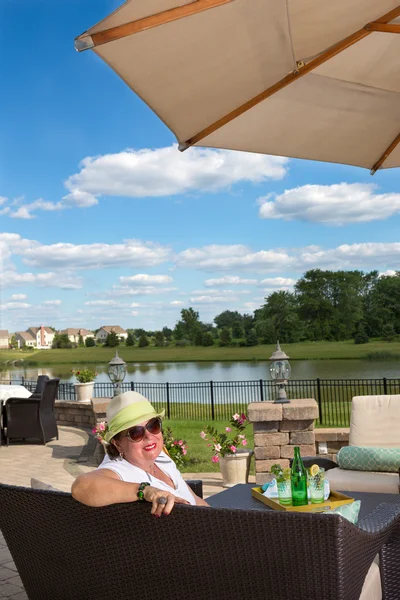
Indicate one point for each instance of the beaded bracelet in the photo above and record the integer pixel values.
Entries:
(140, 493)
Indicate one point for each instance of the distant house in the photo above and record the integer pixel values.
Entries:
(73, 334)
(24, 338)
(43, 336)
(103, 332)
(4, 338)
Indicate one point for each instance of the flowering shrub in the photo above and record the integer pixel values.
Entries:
(176, 448)
(223, 443)
(84, 375)
(100, 431)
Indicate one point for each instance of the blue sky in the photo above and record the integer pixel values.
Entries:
(104, 222)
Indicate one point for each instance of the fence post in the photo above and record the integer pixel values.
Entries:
(23, 380)
(385, 386)
(261, 391)
(132, 386)
(319, 400)
(212, 401)
(168, 407)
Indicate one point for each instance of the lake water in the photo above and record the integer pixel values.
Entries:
(223, 371)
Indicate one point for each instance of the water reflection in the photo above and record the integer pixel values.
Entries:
(222, 371)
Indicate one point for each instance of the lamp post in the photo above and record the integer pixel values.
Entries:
(280, 370)
(117, 372)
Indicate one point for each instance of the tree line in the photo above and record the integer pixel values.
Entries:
(324, 305)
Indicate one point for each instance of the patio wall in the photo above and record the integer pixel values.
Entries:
(79, 414)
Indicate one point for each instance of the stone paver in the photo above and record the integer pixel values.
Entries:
(58, 464)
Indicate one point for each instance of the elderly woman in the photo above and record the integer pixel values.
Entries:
(135, 468)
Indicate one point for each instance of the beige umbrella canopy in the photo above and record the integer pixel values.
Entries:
(314, 79)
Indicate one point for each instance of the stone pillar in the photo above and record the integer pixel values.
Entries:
(277, 429)
(99, 408)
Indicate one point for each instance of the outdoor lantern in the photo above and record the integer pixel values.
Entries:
(117, 372)
(280, 372)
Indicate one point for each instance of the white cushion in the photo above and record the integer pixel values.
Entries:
(372, 589)
(375, 421)
(363, 481)
(36, 484)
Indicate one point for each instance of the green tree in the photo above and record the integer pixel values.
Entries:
(227, 319)
(167, 333)
(237, 329)
(251, 338)
(130, 340)
(208, 339)
(225, 337)
(198, 338)
(13, 342)
(361, 336)
(90, 342)
(278, 319)
(61, 340)
(188, 326)
(159, 338)
(388, 332)
(80, 341)
(143, 341)
(112, 340)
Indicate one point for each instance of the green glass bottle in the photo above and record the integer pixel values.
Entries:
(299, 480)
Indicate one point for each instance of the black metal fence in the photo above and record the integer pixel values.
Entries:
(218, 400)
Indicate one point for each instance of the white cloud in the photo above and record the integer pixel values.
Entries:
(14, 305)
(140, 291)
(18, 297)
(388, 273)
(337, 204)
(176, 303)
(277, 282)
(135, 313)
(12, 278)
(102, 303)
(368, 255)
(229, 280)
(144, 279)
(167, 172)
(52, 302)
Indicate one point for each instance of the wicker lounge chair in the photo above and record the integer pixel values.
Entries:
(64, 550)
(32, 417)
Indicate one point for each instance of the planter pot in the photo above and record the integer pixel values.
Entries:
(84, 391)
(235, 467)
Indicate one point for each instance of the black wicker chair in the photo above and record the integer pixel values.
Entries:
(32, 417)
(41, 380)
(64, 550)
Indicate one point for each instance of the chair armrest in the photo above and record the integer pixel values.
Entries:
(11, 401)
(324, 463)
(196, 485)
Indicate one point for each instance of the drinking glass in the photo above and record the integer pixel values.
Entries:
(316, 486)
(284, 491)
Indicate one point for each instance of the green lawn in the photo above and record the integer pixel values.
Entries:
(98, 355)
(199, 455)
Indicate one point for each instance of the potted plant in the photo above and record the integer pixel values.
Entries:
(229, 450)
(85, 385)
(175, 447)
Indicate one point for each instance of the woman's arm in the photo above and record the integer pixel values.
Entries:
(104, 487)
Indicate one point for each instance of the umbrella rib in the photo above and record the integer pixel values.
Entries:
(384, 27)
(385, 155)
(167, 16)
(302, 69)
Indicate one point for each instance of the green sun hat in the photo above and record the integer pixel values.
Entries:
(126, 410)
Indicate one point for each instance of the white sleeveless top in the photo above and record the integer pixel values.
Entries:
(132, 474)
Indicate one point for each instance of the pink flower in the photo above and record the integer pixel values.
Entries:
(244, 443)
(203, 434)
(94, 430)
(243, 417)
(102, 427)
(215, 459)
(241, 436)
(228, 429)
(233, 449)
(180, 442)
(217, 447)
(235, 417)
(184, 451)
(208, 445)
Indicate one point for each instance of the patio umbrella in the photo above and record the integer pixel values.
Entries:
(314, 79)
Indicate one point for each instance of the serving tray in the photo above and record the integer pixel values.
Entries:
(335, 499)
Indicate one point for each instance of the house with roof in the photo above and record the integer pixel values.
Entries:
(4, 336)
(43, 336)
(103, 332)
(74, 333)
(24, 338)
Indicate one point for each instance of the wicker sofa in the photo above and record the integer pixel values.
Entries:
(375, 422)
(66, 551)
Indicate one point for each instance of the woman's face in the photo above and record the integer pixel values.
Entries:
(140, 453)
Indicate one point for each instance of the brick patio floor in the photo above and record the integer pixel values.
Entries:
(58, 463)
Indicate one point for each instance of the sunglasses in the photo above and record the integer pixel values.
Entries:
(137, 433)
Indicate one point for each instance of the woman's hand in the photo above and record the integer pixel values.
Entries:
(162, 502)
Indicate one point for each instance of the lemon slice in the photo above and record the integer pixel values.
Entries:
(314, 470)
(287, 472)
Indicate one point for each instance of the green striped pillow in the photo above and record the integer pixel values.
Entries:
(359, 458)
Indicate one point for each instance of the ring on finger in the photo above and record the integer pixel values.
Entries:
(162, 500)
